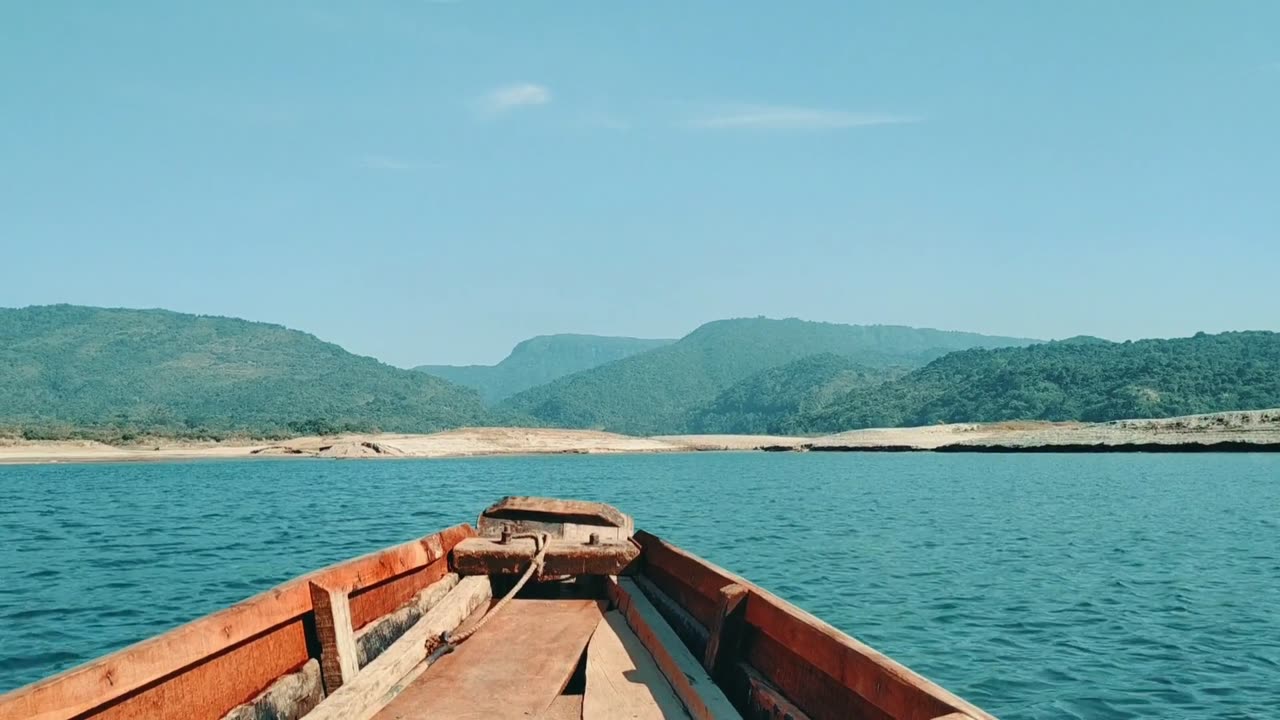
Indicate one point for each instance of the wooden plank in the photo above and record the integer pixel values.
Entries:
(338, 661)
(288, 698)
(764, 702)
(821, 696)
(371, 603)
(513, 667)
(516, 508)
(953, 716)
(486, 556)
(888, 685)
(902, 695)
(564, 707)
(701, 576)
(212, 688)
(695, 688)
(623, 680)
(725, 633)
(374, 638)
(362, 697)
(692, 633)
(120, 674)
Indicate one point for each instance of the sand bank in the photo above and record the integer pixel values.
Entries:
(465, 442)
(1234, 431)
(1241, 431)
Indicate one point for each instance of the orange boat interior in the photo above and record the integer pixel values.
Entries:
(548, 608)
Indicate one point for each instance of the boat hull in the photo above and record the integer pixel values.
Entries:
(307, 646)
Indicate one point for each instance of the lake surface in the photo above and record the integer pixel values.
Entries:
(1045, 586)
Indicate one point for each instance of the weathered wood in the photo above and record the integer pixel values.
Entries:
(695, 688)
(564, 707)
(895, 690)
(821, 696)
(377, 636)
(485, 556)
(623, 680)
(338, 662)
(401, 684)
(725, 633)
(210, 689)
(525, 513)
(765, 702)
(953, 716)
(361, 698)
(111, 679)
(774, 628)
(691, 632)
(372, 603)
(288, 698)
(513, 667)
(702, 607)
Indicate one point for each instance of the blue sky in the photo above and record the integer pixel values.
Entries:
(433, 181)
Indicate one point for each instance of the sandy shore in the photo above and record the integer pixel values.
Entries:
(465, 442)
(1244, 430)
(1251, 430)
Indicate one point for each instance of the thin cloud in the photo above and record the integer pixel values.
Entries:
(787, 117)
(512, 97)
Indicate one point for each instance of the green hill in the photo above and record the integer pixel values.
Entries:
(69, 370)
(657, 391)
(540, 360)
(762, 402)
(1094, 380)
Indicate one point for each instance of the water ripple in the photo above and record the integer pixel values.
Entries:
(1036, 586)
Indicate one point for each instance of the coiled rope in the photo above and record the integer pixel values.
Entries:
(540, 542)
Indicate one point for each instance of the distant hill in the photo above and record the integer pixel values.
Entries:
(69, 370)
(540, 360)
(1084, 379)
(761, 403)
(657, 391)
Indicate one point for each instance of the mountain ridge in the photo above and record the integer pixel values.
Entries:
(130, 371)
(1091, 381)
(655, 391)
(542, 359)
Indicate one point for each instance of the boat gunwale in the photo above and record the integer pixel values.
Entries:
(137, 669)
(827, 648)
(113, 677)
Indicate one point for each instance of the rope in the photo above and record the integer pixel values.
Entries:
(535, 566)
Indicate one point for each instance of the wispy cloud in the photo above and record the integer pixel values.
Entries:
(384, 162)
(512, 97)
(789, 117)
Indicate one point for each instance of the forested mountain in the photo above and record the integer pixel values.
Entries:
(1080, 379)
(540, 360)
(68, 370)
(763, 402)
(657, 391)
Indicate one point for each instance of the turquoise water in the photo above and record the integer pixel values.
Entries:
(1047, 586)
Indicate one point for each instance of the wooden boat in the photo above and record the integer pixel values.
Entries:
(549, 609)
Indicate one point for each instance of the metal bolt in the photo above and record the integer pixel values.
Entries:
(593, 539)
(506, 535)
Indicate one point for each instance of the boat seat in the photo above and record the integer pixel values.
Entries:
(519, 664)
(490, 556)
